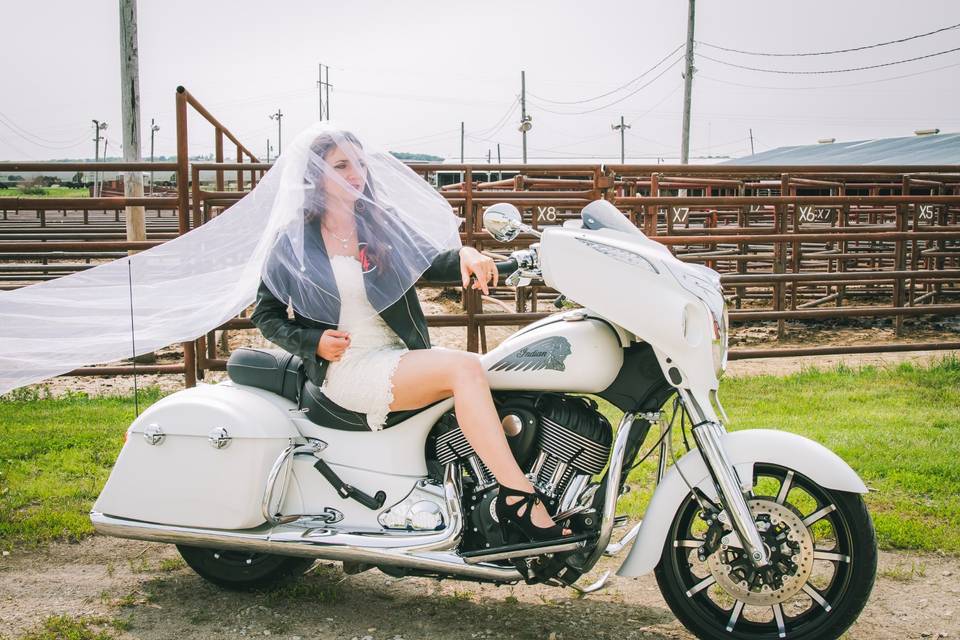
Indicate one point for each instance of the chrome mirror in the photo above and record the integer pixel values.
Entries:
(503, 221)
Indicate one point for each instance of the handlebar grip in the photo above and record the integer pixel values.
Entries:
(507, 267)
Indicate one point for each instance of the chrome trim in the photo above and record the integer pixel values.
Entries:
(592, 588)
(708, 436)
(430, 552)
(524, 553)
(616, 547)
(571, 495)
(555, 478)
(534, 474)
(283, 464)
(219, 438)
(153, 434)
(612, 489)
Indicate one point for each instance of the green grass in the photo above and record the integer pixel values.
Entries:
(80, 628)
(898, 427)
(48, 192)
(55, 456)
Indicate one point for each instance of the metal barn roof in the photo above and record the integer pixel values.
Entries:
(941, 148)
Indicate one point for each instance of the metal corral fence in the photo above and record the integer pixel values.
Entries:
(791, 243)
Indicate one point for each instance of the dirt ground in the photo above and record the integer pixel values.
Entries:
(148, 588)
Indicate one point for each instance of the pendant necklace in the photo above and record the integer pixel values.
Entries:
(344, 241)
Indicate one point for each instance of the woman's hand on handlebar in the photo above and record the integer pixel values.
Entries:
(475, 264)
(333, 343)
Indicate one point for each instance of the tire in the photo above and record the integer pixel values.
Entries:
(841, 574)
(240, 570)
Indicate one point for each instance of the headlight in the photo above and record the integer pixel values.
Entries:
(721, 329)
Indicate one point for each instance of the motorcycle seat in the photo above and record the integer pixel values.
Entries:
(280, 372)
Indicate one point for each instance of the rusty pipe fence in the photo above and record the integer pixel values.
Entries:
(791, 243)
(35, 241)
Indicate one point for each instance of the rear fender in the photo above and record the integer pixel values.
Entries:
(744, 448)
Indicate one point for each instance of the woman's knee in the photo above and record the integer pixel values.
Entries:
(468, 370)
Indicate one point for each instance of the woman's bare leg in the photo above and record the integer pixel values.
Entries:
(427, 375)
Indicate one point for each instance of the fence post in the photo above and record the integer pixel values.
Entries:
(471, 296)
(652, 211)
(900, 256)
(183, 212)
(743, 221)
(780, 255)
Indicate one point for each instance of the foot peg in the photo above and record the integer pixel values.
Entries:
(526, 549)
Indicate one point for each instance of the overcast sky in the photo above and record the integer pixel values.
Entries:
(407, 73)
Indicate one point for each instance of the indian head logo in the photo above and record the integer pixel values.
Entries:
(546, 353)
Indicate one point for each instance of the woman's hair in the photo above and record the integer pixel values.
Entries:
(370, 216)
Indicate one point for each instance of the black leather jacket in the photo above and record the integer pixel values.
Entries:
(301, 335)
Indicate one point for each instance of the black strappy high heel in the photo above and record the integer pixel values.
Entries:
(509, 515)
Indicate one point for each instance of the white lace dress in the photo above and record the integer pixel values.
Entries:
(362, 379)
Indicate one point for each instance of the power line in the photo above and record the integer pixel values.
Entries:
(502, 121)
(40, 144)
(617, 101)
(612, 91)
(827, 53)
(831, 86)
(27, 135)
(829, 71)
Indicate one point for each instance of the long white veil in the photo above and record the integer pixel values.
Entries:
(183, 288)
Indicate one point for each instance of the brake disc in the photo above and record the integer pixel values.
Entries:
(789, 546)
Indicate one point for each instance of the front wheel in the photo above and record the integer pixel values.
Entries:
(823, 552)
(242, 570)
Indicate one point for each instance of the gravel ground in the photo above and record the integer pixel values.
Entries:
(146, 586)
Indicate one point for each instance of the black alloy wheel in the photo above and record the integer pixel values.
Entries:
(242, 570)
(823, 563)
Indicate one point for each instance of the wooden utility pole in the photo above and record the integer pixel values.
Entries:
(323, 87)
(130, 97)
(524, 121)
(97, 128)
(153, 130)
(622, 127)
(461, 142)
(278, 116)
(751, 142)
(687, 87)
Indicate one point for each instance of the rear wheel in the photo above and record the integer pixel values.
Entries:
(241, 570)
(823, 562)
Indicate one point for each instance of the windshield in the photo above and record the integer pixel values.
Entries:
(600, 214)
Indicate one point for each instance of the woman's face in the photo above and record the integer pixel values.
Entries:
(348, 168)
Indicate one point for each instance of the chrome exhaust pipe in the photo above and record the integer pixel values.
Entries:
(429, 552)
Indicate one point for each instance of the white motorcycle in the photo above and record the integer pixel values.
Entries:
(754, 534)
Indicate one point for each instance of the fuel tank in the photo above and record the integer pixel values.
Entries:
(573, 351)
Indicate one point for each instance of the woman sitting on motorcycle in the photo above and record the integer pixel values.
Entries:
(347, 266)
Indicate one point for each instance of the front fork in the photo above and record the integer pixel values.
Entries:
(708, 434)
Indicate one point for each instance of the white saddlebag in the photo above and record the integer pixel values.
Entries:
(199, 458)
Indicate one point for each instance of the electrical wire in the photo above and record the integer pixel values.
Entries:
(40, 144)
(828, 71)
(502, 122)
(827, 53)
(612, 91)
(32, 138)
(829, 86)
(617, 101)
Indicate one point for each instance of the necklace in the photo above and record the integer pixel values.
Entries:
(344, 241)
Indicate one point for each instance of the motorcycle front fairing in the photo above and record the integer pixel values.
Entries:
(633, 281)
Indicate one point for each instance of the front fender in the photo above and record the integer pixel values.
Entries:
(744, 448)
